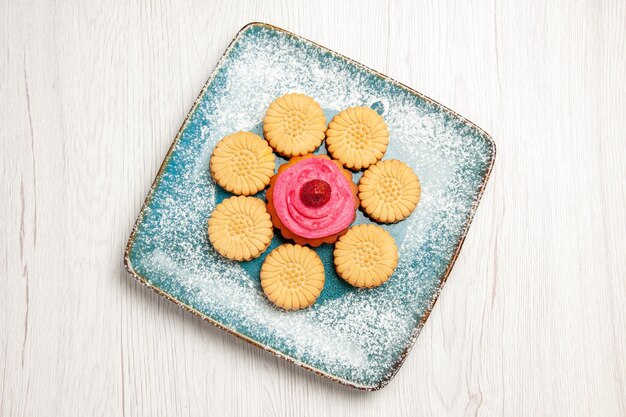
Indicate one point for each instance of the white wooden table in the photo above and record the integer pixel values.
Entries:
(532, 321)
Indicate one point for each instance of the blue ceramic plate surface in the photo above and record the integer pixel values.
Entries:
(356, 337)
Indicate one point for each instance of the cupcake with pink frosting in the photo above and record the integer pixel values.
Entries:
(312, 200)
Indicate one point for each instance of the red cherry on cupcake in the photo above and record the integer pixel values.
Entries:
(315, 193)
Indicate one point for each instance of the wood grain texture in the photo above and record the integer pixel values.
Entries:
(532, 321)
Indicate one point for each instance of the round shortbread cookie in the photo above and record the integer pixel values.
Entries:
(292, 276)
(357, 137)
(294, 125)
(366, 256)
(242, 163)
(240, 228)
(389, 191)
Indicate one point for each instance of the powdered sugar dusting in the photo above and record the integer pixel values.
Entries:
(355, 335)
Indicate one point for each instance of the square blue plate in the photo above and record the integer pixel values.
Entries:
(356, 337)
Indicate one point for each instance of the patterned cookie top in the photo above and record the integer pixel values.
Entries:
(294, 125)
(242, 163)
(292, 276)
(240, 228)
(366, 256)
(358, 137)
(389, 191)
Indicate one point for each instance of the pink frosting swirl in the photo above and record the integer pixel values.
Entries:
(306, 220)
